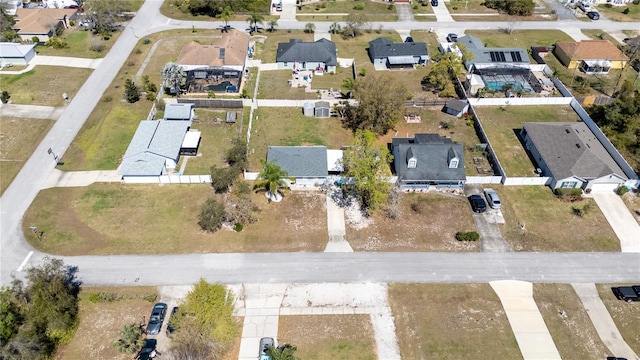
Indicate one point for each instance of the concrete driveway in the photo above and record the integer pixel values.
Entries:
(486, 224)
(31, 111)
(404, 12)
(620, 219)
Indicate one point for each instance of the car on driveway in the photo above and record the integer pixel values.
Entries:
(584, 6)
(492, 198)
(265, 344)
(626, 293)
(156, 318)
(477, 203)
(593, 15)
(452, 37)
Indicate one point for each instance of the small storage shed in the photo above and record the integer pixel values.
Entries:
(323, 109)
(191, 143)
(308, 109)
(231, 117)
(456, 107)
(16, 54)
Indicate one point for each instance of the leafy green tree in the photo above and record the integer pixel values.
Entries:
(222, 178)
(172, 77)
(447, 67)
(381, 104)
(368, 165)
(272, 24)
(10, 316)
(237, 154)
(254, 19)
(103, 16)
(355, 23)
(284, 352)
(211, 216)
(512, 7)
(272, 178)
(226, 15)
(131, 339)
(131, 91)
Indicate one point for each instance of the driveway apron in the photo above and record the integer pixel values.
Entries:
(620, 219)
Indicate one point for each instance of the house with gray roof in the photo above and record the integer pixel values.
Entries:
(428, 160)
(309, 165)
(484, 56)
(456, 107)
(386, 54)
(16, 53)
(183, 112)
(154, 149)
(572, 156)
(320, 55)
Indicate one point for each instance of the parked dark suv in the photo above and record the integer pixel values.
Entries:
(477, 203)
(627, 293)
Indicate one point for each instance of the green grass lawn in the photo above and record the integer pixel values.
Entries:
(615, 12)
(19, 138)
(519, 38)
(451, 321)
(80, 44)
(422, 7)
(431, 39)
(274, 85)
(598, 34)
(502, 124)
(169, 9)
(217, 138)
(344, 6)
(288, 127)
(44, 85)
(549, 223)
(465, 10)
(269, 45)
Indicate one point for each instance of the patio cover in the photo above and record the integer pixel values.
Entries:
(400, 60)
(601, 63)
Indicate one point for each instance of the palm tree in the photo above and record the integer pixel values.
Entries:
(310, 28)
(172, 76)
(271, 178)
(284, 352)
(255, 19)
(226, 15)
(273, 24)
(335, 28)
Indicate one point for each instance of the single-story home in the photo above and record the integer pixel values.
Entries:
(456, 107)
(319, 56)
(428, 160)
(484, 56)
(42, 22)
(218, 66)
(180, 112)
(16, 53)
(572, 156)
(590, 56)
(390, 55)
(155, 148)
(309, 165)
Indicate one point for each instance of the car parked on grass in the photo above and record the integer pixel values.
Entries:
(627, 293)
(477, 203)
(492, 198)
(156, 318)
(593, 15)
(170, 323)
(265, 344)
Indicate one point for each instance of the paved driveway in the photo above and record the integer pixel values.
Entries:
(620, 219)
(487, 225)
(404, 12)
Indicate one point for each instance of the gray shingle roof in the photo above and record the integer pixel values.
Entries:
(300, 161)
(471, 42)
(432, 153)
(571, 149)
(178, 111)
(322, 50)
(483, 55)
(383, 47)
(456, 105)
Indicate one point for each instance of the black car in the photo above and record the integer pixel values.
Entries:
(452, 37)
(170, 325)
(477, 203)
(615, 358)
(156, 318)
(626, 293)
(593, 15)
(147, 349)
(434, 2)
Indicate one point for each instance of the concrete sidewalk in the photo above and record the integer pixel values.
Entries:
(527, 324)
(57, 61)
(602, 321)
(620, 219)
(80, 178)
(31, 111)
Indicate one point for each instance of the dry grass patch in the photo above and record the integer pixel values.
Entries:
(632, 200)
(288, 127)
(550, 225)
(356, 48)
(624, 314)
(328, 337)
(502, 125)
(575, 337)
(451, 321)
(99, 219)
(101, 322)
(425, 222)
(19, 137)
(615, 12)
(598, 34)
(44, 85)
(80, 44)
(274, 85)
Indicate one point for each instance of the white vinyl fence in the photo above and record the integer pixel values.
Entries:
(544, 180)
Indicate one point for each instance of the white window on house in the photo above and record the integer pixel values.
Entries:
(285, 63)
(568, 184)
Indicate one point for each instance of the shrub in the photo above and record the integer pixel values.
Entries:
(237, 227)
(418, 206)
(211, 94)
(57, 43)
(391, 7)
(4, 97)
(35, 40)
(150, 96)
(363, 72)
(581, 211)
(211, 215)
(94, 297)
(467, 236)
(621, 190)
(131, 91)
(138, 52)
(96, 46)
(569, 194)
(359, 6)
(150, 297)
(625, 11)
(71, 22)
(146, 41)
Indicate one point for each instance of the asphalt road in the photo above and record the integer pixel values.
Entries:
(181, 269)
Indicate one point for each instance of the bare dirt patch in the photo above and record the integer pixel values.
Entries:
(574, 335)
(451, 321)
(425, 222)
(325, 337)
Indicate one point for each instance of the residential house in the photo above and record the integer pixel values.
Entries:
(318, 56)
(590, 56)
(218, 66)
(42, 23)
(428, 160)
(572, 156)
(491, 57)
(456, 108)
(386, 54)
(155, 149)
(179, 112)
(16, 54)
(612, 2)
(308, 165)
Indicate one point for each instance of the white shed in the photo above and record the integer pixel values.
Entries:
(308, 109)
